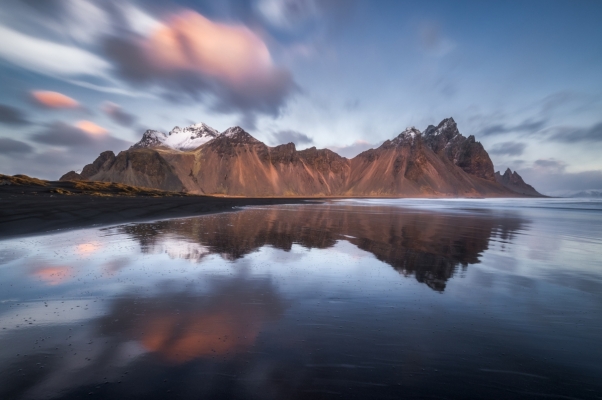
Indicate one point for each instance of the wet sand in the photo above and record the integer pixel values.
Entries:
(28, 213)
(358, 299)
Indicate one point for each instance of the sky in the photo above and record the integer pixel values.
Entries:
(79, 77)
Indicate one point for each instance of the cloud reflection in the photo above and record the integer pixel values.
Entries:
(53, 275)
(182, 327)
(139, 334)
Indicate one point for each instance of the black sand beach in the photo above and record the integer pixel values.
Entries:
(33, 206)
(26, 215)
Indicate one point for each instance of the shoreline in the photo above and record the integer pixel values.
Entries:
(30, 206)
(29, 215)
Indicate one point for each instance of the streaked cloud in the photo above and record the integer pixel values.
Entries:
(550, 164)
(12, 146)
(287, 14)
(288, 136)
(137, 19)
(118, 114)
(354, 149)
(551, 177)
(53, 99)
(574, 135)
(47, 57)
(509, 148)
(529, 126)
(82, 136)
(300, 16)
(12, 116)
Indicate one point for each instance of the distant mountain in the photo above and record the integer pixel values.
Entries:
(513, 181)
(596, 194)
(440, 162)
(588, 193)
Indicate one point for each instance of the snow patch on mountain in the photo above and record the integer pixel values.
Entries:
(150, 138)
(188, 138)
(191, 137)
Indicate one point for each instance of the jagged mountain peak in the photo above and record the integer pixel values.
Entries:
(150, 138)
(446, 130)
(510, 176)
(446, 140)
(513, 181)
(195, 131)
(410, 132)
(407, 136)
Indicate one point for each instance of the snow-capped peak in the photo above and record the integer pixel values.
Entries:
(191, 137)
(408, 135)
(447, 123)
(188, 138)
(239, 134)
(411, 132)
(233, 131)
(150, 138)
(446, 128)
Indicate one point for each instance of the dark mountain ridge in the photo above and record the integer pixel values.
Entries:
(440, 162)
(513, 181)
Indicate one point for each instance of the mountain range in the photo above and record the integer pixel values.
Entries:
(439, 162)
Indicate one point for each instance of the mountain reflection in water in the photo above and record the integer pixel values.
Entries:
(429, 246)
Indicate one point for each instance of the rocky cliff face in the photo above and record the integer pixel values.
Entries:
(465, 152)
(438, 162)
(410, 165)
(513, 181)
(236, 163)
(139, 167)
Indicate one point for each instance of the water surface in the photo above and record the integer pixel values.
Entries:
(348, 299)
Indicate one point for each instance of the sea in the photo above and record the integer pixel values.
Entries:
(342, 299)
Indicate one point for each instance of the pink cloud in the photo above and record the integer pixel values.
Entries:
(53, 99)
(227, 65)
(91, 128)
(189, 41)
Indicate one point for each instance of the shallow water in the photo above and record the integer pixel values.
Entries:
(348, 299)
